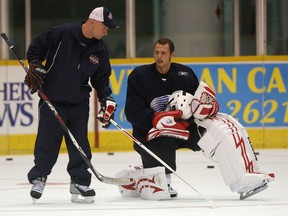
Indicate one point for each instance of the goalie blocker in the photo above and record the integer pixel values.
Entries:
(227, 140)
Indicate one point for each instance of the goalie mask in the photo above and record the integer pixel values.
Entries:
(181, 100)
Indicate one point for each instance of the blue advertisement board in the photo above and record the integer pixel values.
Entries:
(254, 93)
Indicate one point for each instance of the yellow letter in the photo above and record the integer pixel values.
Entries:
(206, 77)
(276, 81)
(224, 78)
(116, 85)
(129, 71)
(251, 80)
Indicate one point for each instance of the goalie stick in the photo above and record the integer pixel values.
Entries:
(100, 177)
(161, 161)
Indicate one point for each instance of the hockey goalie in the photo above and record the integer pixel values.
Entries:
(221, 137)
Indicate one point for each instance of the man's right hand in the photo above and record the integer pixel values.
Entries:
(108, 107)
(34, 77)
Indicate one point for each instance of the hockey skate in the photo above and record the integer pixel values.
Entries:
(268, 178)
(245, 195)
(86, 194)
(37, 188)
(173, 192)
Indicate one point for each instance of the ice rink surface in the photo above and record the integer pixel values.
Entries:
(192, 166)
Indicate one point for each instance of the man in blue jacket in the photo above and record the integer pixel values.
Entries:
(74, 55)
(170, 109)
(149, 87)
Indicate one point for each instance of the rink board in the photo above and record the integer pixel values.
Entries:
(252, 89)
(116, 141)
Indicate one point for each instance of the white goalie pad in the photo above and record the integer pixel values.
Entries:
(129, 190)
(227, 140)
(149, 184)
(152, 184)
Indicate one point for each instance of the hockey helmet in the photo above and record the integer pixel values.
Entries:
(181, 100)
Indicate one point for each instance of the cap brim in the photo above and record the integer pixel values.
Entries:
(111, 24)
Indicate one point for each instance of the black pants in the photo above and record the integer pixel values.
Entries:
(165, 148)
(49, 138)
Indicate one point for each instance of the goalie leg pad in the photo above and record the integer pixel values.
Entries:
(148, 184)
(229, 141)
(212, 137)
(129, 190)
(151, 183)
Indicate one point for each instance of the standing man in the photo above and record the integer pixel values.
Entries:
(74, 55)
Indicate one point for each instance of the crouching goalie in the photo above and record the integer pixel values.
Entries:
(218, 135)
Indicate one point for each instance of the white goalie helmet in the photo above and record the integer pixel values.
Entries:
(181, 100)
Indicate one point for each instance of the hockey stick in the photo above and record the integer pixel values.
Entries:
(161, 161)
(100, 177)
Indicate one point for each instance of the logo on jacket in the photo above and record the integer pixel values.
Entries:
(183, 73)
(94, 59)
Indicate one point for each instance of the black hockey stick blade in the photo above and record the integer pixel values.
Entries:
(100, 177)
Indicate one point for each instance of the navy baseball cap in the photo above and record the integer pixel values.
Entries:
(103, 15)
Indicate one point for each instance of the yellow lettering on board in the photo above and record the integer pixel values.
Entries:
(251, 80)
(230, 83)
(276, 81)
(116, 84)
(206, 77)
(129, 71)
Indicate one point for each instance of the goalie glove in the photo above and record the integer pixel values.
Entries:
(169, 124)
(108, 107)
(204, 103)
(34, 78)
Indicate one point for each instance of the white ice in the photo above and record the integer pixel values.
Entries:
(15, 198)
